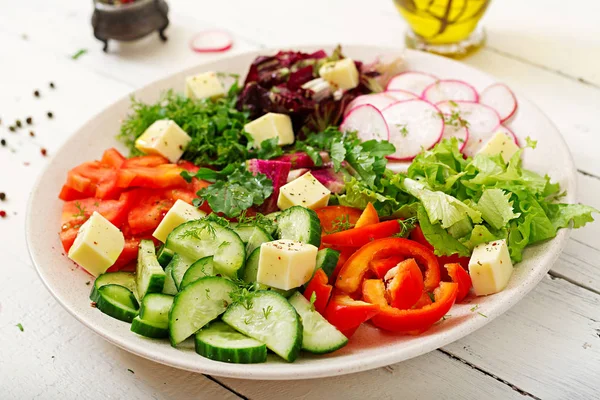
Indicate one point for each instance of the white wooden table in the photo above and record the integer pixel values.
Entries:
(547, 346)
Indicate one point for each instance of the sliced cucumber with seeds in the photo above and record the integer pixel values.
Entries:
(197, 305)
(169, 286)
(299, 224)
(270, 319)
(251, 271)
(318, 335)
(126, 279)
(164, 255)
(253, 236)
(220, 342)
(148, 328)
(327, 259)
(149, 275)
(201, 268)
(118, 302)
(202, 238)
(179, 266)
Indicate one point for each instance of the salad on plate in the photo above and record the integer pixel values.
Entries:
(283, 212)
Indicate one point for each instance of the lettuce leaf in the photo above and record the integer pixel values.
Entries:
(495, 208)
(443, 243)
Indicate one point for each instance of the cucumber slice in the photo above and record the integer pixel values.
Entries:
(148, 329)
(169, 286)
(118, 302)
(164, 256)
(220, 342)
(203, 238)
(251, 271)
(126, 279)
(327, 259)
(198, 304)
(149, 275)
(253, 236)
(201, 268)
(270, 319)
(155, 309)
(318, 335)
(299, 224)
(179, 266)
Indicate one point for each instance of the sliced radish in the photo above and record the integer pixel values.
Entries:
(400, 95)
(414, 125)
(506, 130)
(453, 129)
(449, 90)
(213, 41)
(367, 122)
(413, 82)
(479, 117)
(500, 98)
(377, 100)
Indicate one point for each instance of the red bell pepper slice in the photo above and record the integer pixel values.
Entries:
(352, 273)
(358, 237)
(346, 314)
(425, 300)
(332, 216)
(368, 217)
(409, 321)
(381, 266)
(321, 289)
(406, 287)
(461, 277)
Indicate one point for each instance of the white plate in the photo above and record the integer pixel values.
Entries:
(369, 348)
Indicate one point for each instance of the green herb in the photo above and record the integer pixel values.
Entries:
(204, 228)
(530, 143)
(341, 223)
(243, 296)
(20, 327)
(445, 317)
(79, 53)
(313, 298)
(431, 296)
(80, 210)
(247, 320)
(267, 311)
(483, 315)
(269, 148)
(403, 129)
(130, 370)
(259, 220)
(406, 226)
(215, 126)
(207, 292)
(474, 308)
(454, 119)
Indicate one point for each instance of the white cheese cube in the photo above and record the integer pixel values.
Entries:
(165, 138)
(204, 86)
(502, 144)
(269, 126)
(179, 213)
(285, 264)
(490, 267)
(98, 245)
(341, 74)
(305, 191)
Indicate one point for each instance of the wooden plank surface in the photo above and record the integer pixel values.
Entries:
(548, 346)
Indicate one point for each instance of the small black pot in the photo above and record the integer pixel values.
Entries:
(129, 21)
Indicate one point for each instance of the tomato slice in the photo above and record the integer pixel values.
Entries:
(406, 287)
(334, 218)
(358, 237)
(112, 158)
(408, 321)
(67, 194)
(368, 217)
(353, 272)
(158, 177)
(144, 161)
(461, 277)
(322, 291)
(148, 210)
(346, 314)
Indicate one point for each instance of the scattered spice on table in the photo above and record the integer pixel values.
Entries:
(88, 283)
(26, 163)
(51, 84)
(3, 142)
(18, 123)
(78, 54)
(130, 370)
(36, 93)
(31, 133)
(2, 214)
(12, 128)
(93, 303)
(49, 114)
(29, 120)
(44, 151)
(20, 327)
(2, 196)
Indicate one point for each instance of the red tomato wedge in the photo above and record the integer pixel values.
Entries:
(112, 158)
(144, 161)
(156, 177)
(333, 218)
(368, 217)
(321, 289)
(358, 237)
(148, 210)
(406, 287)
(68, 194)
(353, 272)
(408, 321)
(346, 314)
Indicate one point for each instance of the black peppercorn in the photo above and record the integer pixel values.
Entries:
(3, 142)
(29, 120)
(36, 93)
(2, 196)
(11, 128)
(49, 114)
(18, 123)
(52, 85)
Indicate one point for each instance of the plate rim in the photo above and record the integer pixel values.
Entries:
(307, 371)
